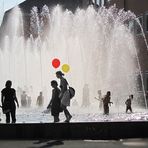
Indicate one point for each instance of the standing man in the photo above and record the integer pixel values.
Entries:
(8, 99)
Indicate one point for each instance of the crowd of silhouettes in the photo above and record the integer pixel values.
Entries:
(59, 102)
(105, 102)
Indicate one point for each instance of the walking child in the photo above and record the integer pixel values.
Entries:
(128, 103)
(100, 99)
(106, 102)
(55, 101)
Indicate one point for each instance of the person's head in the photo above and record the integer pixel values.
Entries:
(108, 93)
(8, 84)
(131, 96)
(59, 74)
(41, 93)
(54, 84)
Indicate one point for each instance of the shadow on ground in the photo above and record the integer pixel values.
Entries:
(47, 143)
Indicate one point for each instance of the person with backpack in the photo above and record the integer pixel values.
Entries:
(8, 99)
(128, 103)
(64, 95)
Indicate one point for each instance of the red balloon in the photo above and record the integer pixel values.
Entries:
(55, 63)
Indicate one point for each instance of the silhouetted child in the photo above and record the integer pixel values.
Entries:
(29, 101)
(24, 99)
(100, 99)
(106, 102)
(40, 100)
(55, 102)
(128, 103)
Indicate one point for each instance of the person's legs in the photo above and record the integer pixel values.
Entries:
(13, 115)
(130, 108)
(126, 109)
(107, 110)
(67, 114)
(56, 118)
(8, 117)
(104, 109)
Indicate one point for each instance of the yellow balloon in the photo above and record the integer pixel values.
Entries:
(65, 68)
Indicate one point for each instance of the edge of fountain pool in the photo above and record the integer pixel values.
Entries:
(82, 130)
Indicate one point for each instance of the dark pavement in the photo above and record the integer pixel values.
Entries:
(128, 143)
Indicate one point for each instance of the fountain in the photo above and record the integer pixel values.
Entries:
(98, 46)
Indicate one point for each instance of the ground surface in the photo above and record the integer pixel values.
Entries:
(129, 143)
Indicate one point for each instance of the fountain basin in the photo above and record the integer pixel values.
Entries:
(81, 130)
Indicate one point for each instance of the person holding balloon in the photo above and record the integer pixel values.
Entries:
(64, 95)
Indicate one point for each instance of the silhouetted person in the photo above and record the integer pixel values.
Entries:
(29, 101)
(106, 102)
(30, 96)
(40, 100)
(128, 103)
(19, 92)
(55, 102)
(85, 97)
(24, 99)
(8, 99)
(100, 99)
(64, 95)
(26, 89)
